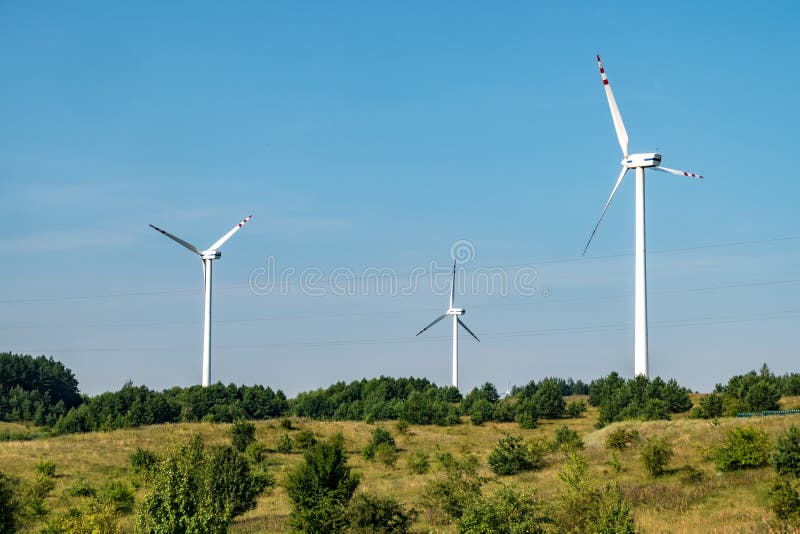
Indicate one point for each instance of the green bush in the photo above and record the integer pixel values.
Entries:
(711, 406)
(786, 457)
(656, 455)
(511, 455)
(548, 399)
(386, 454)
(402, 427)
(256, 452)
(418, 462)
(286, 423)
(481, 411)
(118, 495)
(506, 511)
(380, 436)
(143, 461)
(45, 469)
(446, 497)
(8, 504)
(320, 488)
(784, 501)
(89, 517)
(304, 439)
(575, 408)
(567, 440)
(80, 488)
(243, 433)
(527, 414)
(371, 514)
(620, 438)
(284, 443)
(743, 447)
(197, 490)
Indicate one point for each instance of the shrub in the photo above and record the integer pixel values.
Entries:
(744, 447)
(526, 414)
(511, 455)
(575, 408)
(386, 454)
(256, 452)
(304, 439)
(418, 463)
(195, 490)
(567, 440)
(656, 454)
(786, 457)
(285, 443)
(548, 399)
(286, 423)
(380, 436)
(481, 411)
(118, 495)
(243, 433)
(80, 488)
(506, 511)
(784, 501)
(711, 406)
(143, 461)
(90, 516)
(619, 438)
(446, 497)
(320, 487)
(371, 514)
(45, 469)
(8, 504)
(402, 427)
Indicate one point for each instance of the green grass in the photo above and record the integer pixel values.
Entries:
(721, 502)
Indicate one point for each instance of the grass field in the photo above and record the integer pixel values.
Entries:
(716, 502)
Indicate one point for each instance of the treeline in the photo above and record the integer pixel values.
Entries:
(637, 398)
(752, 392)
(39, 390)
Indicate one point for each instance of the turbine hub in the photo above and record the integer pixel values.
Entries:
(650, 159)
(211, 255)
(456, 311)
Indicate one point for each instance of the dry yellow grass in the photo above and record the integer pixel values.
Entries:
(718, 502)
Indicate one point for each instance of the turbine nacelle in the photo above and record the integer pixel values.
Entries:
(456, 311)
(211, 254)
(650, 159)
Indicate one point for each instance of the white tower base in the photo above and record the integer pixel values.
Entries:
(640, 304)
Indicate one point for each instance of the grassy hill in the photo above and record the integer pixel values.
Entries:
(691, 497)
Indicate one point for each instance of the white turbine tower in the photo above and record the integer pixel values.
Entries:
(455, 312)
(638, 162)
(208, 255)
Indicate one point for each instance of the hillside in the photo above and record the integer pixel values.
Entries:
(679, 501)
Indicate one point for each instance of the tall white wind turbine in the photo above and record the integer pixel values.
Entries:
(455, 312)
(208, 256)
(638, 162)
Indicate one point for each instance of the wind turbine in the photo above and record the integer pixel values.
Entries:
(638, 162)
(208, 256)
(455, 312)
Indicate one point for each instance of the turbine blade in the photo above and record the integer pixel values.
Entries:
(221, 240)
(613, 192)
(442, 316)
(679, 173)
(453, 285)
(622, 135)
(178, 239)
(467, 329)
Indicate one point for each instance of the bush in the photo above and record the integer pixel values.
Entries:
(481, 411)
(784, 501)
(445, 498)
(512, 455)
(256, 452)
(45, 469)
(143, 461)
(80, 488)
(402, 427)
(506, 511)
(744, 447)
(285, 444)
(575, 408)
(304, 439)
(786, 457)
(526, 414)
(380, 436)
(196, 490)
(118, 495)
(548, 399)
(320, 488)
(243, 433)
(286, 423)
(567, 440)
(418, 463)
(386, 454)
(711, 406)
(370, 514)
(89, 517)
(619, 438)
(656, 454)
(8, 504)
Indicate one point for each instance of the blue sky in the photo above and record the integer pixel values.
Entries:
(378, 134)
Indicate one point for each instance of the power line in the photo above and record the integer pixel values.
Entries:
(399, 275)
(611, 327)
(395, 312)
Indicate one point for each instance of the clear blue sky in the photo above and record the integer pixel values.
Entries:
(376, 134)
